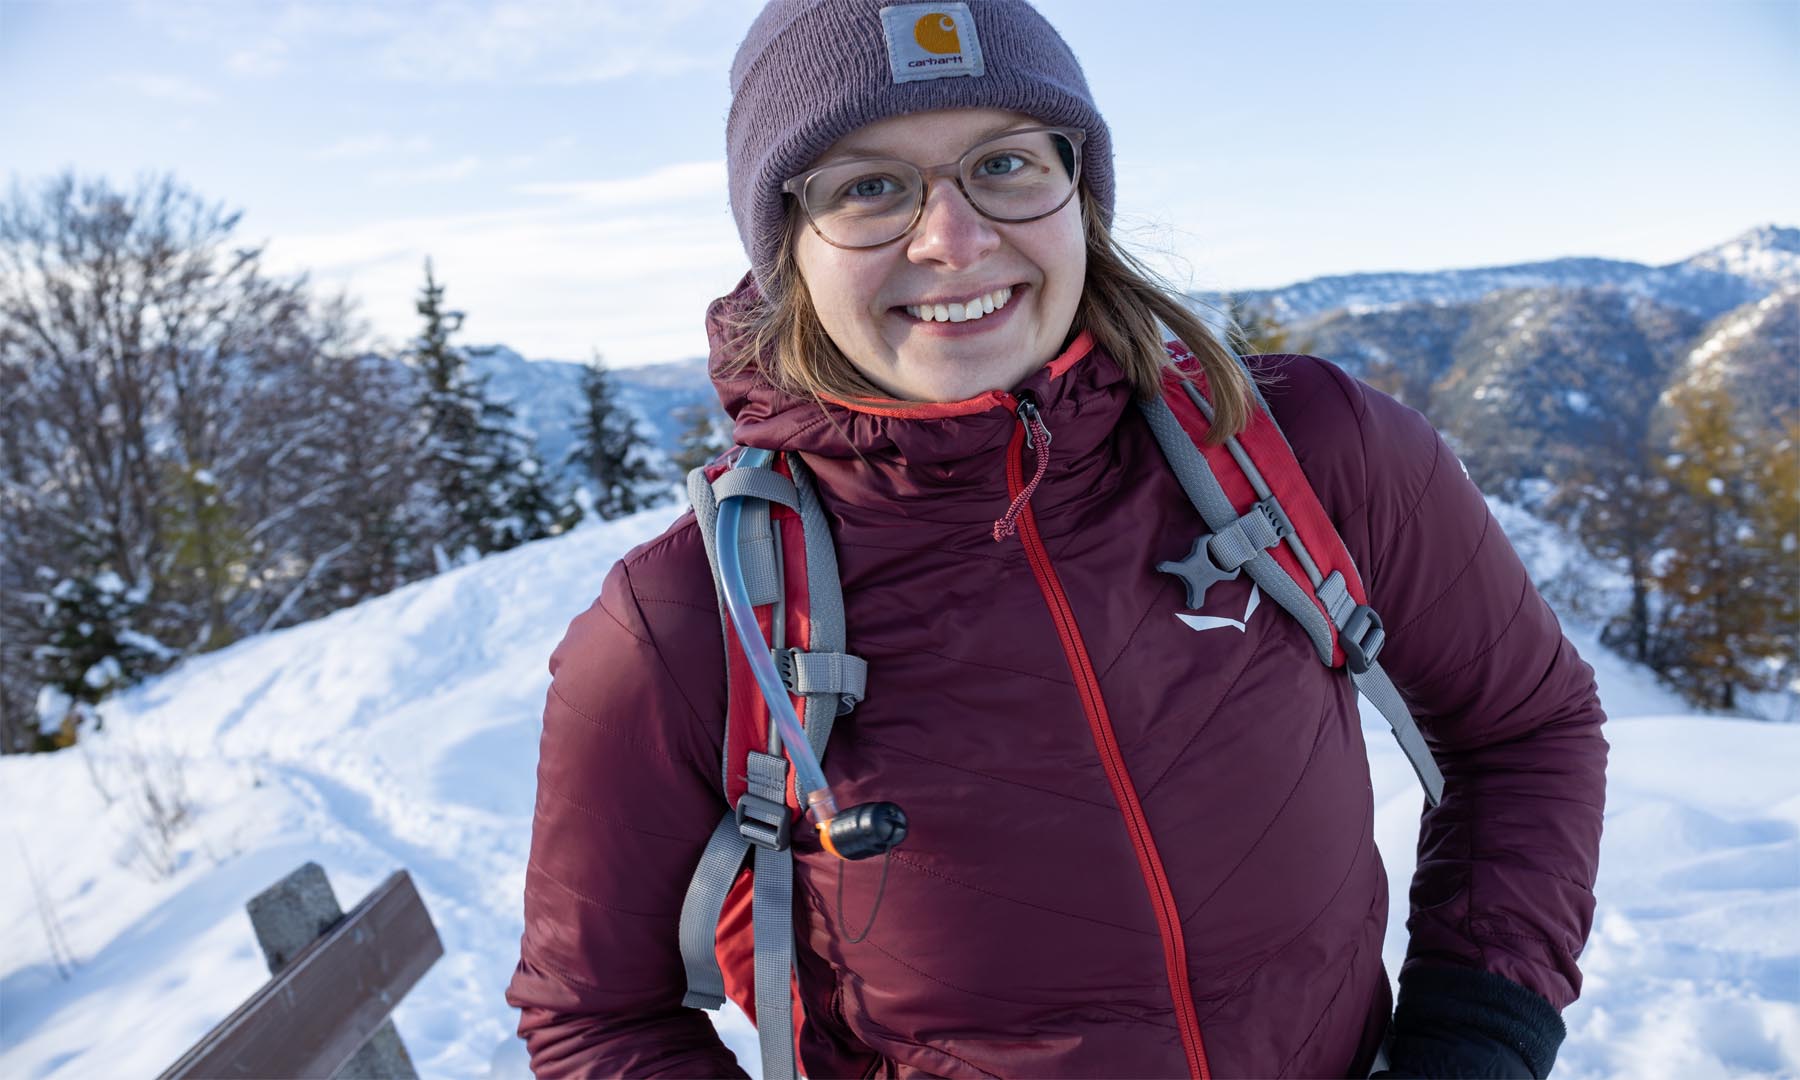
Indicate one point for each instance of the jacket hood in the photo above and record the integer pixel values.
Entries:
(1081, 394)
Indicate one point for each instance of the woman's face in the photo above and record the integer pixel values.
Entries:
(953, 254)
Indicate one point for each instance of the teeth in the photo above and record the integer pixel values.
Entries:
(961, 312)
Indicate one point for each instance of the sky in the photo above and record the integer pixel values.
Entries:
(562, 162)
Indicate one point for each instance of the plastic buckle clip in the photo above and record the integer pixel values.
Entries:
(1271, 509)
(764, 822)
(784, 666)
(1362, 637)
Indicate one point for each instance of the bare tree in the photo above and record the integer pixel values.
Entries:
(185, 421)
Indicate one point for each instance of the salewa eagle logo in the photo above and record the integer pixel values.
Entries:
(1214, 622)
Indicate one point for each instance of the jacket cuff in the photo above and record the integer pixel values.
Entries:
(1464, 1022)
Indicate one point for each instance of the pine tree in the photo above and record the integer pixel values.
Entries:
(93, 647)
(1729, 576)
(609, 452)
(1617, 501)
(704, 436)
(492, 491)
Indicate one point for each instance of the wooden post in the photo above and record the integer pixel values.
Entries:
(332, 991)
(292, 914)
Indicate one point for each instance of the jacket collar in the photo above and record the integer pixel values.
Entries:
(945, 461)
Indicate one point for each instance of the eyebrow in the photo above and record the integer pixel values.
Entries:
(853, 152)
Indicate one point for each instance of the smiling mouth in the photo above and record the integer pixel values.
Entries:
(962, 311)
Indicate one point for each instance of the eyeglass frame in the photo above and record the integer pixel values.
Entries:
(796, 185)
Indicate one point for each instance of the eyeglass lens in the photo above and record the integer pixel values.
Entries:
(1014, 177)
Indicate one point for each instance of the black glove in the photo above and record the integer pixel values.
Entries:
(1461, 1022)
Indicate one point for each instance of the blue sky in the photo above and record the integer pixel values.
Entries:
(562, 162)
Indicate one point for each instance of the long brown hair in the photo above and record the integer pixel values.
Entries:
(1122, 302)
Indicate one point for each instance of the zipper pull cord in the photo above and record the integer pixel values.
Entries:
(1037, 436)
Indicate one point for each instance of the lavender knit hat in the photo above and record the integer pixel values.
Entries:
(810, 72)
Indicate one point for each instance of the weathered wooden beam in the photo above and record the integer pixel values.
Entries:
(292, 914)
(330, 997)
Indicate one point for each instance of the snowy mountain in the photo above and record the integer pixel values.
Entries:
(1571, 350)
(1521, 377)
(545, 395)
(1753, 353)
(1706, 284)
(403, 733)
(1768, 256)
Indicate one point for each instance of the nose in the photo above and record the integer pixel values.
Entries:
(950, 230)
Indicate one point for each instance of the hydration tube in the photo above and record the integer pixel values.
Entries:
(859, 832)
(819, 802)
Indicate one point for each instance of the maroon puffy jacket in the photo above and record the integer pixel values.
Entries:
(1032, 918)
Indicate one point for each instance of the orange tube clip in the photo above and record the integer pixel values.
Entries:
(824, 828)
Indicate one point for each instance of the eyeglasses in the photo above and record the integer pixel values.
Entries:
(1017, 176)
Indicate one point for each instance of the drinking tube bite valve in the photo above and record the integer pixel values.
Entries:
(861, 831)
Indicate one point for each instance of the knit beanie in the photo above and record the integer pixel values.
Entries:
(810, 72)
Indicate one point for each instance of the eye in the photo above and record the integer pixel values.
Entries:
(1002, 164)
(870, 187)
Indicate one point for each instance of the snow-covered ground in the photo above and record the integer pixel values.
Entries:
(403, 733)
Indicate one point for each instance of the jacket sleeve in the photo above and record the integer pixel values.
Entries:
(1507, 862)
(628, 792)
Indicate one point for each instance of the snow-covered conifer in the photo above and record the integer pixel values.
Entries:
(610, 454)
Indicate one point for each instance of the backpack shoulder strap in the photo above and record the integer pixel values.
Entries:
(790, 571)
(1267, 521)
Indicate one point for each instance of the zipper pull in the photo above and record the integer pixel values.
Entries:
(1036, 431)
(1037, 437)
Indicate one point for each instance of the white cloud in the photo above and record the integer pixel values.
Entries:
(442, 173)
(627, 274)
(265, 58)
(535, 158)
(374, 144)
(671, 183)
(170, 88)
(435, 41)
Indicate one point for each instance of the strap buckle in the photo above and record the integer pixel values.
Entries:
(784, 666)
(1361, 638)
(1271, 509)
(764, 822)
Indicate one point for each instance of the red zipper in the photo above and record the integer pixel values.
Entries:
(1087, 684)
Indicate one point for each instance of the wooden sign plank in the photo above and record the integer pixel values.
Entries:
(310, 1019)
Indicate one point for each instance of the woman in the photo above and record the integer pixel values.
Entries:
(1136, 848)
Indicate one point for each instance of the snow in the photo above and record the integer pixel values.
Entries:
(403, 733)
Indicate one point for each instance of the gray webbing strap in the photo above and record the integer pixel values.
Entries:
(756, 553)
(1335, 595)
(825, 610)
(1375, 685)
(700, 910)
(832, 682)
(837, 673)
(1208, 496)
(706, 512)
(1242, 540)
(772, 923)
(1251, 472)
(756, 483)
(725, 849)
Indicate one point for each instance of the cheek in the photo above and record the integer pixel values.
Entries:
(842, 289)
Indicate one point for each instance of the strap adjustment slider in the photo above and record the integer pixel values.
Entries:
(1361, 637)
(1271, 509)
(764, 822)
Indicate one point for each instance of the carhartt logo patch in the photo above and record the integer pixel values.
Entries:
(931, 41)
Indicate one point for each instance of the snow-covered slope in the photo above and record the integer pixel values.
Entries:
(403, 733)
